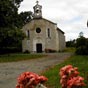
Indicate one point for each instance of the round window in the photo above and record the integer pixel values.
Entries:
(38, 30)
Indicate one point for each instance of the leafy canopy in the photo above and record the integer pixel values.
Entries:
(11, 23)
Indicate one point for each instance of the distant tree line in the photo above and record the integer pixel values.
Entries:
(71, 43)
(10, 25)
(81, 45)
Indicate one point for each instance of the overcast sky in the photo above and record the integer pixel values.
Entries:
(70, 15)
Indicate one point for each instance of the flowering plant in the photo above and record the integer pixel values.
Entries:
(70, 77)
(30, 80)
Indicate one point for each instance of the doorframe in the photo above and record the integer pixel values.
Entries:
(36, 41)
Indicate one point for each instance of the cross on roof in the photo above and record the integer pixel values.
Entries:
(37, 1)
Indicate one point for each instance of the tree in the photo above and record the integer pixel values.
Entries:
(9, 16)
(82, 46)
(70, 43)
(24, 17)
(9, 12)
(11, 23)
(81, 34)
(10, 38)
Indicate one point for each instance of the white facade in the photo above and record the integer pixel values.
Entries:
(42, 34)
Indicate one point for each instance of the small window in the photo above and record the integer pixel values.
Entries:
(48, 33)
(37, 11)
(38, 30)
(28, 33)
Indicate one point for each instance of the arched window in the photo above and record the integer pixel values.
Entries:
(48, 33)
(28, 34)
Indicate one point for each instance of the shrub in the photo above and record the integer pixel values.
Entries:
(82, 46)
(7, 50)
(50, 50)
(81, 50)
(26, 51)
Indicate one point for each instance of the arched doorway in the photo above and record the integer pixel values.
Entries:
(39, 48)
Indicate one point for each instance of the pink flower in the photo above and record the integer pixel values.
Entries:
(76, 81)
(70, 78)
(65, 70)
(29, 80)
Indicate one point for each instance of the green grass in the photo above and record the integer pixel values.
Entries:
(19, 57)
(70, 49)
(77, 61)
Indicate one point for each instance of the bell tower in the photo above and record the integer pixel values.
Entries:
(37, 10)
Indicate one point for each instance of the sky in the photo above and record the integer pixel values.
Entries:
(70, 15)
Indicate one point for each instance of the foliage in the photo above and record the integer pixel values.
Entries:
(24, 17)
(77, 61)
(9, 12)
(82, 46)
(70, 43)
(11, 23)
(9, 16)
(10, 39)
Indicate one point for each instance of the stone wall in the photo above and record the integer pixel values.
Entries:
(52, 42)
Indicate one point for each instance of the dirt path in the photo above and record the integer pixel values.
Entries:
(10, 71)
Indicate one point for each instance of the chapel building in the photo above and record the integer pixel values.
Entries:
(42, 35)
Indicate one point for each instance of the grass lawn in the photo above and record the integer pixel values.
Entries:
(19, 57)
(77, 61)
(70, 49)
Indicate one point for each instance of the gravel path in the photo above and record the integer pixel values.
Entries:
(10, 71)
